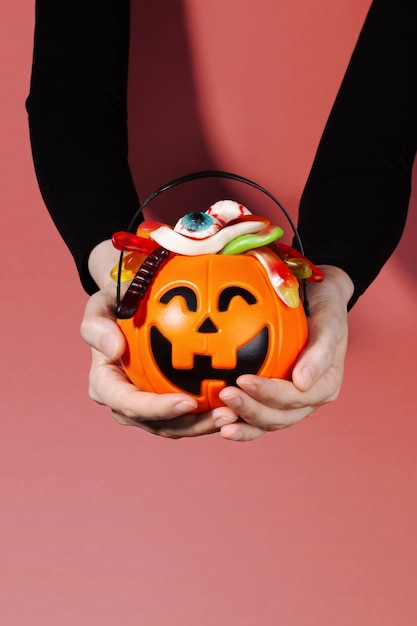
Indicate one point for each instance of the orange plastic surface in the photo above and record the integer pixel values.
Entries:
(204, 321)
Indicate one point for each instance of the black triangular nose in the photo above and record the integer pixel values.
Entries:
(207, 327)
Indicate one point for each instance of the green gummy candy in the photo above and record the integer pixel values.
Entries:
(251, 240)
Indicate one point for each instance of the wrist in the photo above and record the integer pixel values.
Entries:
(337, 286)
(101, 261)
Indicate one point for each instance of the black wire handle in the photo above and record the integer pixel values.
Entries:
(213, 174)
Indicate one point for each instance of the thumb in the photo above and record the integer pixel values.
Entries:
(327, 328)
(319, 354)
(307, 371)
(99, 328)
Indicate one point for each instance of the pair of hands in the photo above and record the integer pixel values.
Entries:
(257, 405)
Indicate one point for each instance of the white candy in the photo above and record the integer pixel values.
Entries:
(227, 210)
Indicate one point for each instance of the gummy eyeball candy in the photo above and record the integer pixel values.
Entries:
(210, 299)
(197, 225)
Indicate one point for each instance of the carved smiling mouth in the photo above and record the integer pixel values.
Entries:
(250, 359)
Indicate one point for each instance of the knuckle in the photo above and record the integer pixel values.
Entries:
(85, 328)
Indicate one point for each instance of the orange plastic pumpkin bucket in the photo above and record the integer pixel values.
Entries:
(194, 322)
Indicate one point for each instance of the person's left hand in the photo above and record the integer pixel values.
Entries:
(167, 415)
(270, 404)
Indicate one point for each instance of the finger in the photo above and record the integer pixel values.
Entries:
(195, 425)
(284, 395)
(157, 427)
(154, 428)
(327, 328)
(185, 426)
(191, 425)
(202, 424)
(99, 328)
(271, 404)
(241, 432)
(264, 408)
(110, 386)
(326, 346)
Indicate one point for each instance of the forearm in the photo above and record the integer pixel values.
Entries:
(355, 202)
(78, 120)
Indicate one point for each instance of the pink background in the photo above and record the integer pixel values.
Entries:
(104, 525)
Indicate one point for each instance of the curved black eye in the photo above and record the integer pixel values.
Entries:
(230, 292)
(185, 292)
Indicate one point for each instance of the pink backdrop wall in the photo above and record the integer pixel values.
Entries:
(105, 525)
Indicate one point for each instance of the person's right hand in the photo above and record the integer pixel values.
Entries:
(268, 404)
(170, 415)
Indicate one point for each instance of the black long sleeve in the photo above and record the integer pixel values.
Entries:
(354, 206)
(78, 120)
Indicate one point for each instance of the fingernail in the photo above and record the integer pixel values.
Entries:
(234, 436)
(249, 387)
(185, 406)
(231, 399)
(307, 376)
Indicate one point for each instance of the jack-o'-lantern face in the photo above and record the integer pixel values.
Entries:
(205, 321)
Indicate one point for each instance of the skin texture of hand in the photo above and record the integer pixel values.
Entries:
(168, 415)
(257, 406)
(270, 404)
